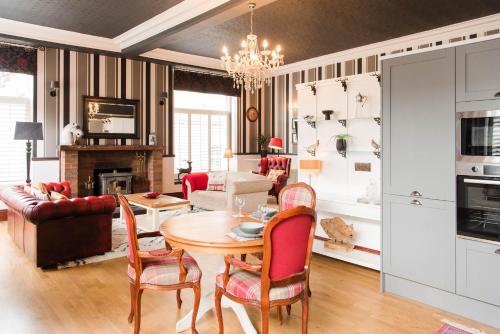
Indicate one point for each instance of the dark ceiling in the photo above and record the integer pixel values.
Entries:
(105, 18)
(312, 28)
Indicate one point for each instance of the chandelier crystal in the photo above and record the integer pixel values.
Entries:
(250, 67)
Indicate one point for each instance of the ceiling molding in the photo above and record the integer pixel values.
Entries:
(183, 58)
(59, 36)
(459, 29)
(182, 12)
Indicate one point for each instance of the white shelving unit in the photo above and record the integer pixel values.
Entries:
(339, 185)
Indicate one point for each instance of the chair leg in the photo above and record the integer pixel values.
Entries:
(280, 314)
(305, 314)
(197, 296)
(288, 309)
(264, 311)
(137, 310)
(218, 309)
(179, 300)
(132, 303)
(309, 293)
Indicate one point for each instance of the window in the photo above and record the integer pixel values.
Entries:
(202, 129)
(16, 101)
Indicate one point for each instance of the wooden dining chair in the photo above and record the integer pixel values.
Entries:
(282, 277)
(161, 270)
(296, 194)
(292, 196)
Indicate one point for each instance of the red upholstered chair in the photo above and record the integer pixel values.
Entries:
(161, 270)
(284, 273)
(60, 187)
(279, 163)
(197, 181)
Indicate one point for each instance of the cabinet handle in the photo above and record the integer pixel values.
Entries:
(497, 251)
(415, 194)
(415, 202)
(497, 94)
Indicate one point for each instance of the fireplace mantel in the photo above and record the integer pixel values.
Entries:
(78, 162)
(110, 148)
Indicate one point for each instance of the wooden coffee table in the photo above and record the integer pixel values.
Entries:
(156, 205)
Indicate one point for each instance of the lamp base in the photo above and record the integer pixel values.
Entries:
(28, 161)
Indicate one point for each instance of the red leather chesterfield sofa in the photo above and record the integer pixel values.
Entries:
(281, 163)
(50, 232)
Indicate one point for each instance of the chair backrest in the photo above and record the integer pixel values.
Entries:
(288, 239)
(296, 194)
(130, 222)
(280, 163)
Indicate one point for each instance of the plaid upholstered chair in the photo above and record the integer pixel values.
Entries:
(296, 194)
(282, 277)
(161, 270)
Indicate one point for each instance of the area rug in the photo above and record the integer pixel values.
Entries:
(450, 327)
(119, 247)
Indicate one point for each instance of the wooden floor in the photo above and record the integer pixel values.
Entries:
(95, 299)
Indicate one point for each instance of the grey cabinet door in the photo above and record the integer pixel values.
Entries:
(419, 240)
(478, 71)
(418, 131)
(478, 270)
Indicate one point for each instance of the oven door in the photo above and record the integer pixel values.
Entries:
(478, 207)
(479, 134)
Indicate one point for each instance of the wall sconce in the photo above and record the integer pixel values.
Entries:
(163, 98)
(312, 86)
(54, 86)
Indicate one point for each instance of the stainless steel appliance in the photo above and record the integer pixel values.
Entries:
(478, 200)
(478, 136)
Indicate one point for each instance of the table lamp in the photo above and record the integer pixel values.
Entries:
(310, 167)
(276, 143)
(28, 131)
(228, 154)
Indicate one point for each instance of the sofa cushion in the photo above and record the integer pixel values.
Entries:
(210, 200)
(274, 174)
(217, 181)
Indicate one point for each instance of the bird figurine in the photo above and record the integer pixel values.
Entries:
(375, 145)
(311, 149)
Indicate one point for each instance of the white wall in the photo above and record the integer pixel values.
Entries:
(45, 171)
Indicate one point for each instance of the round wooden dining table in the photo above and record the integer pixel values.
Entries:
(206, 232)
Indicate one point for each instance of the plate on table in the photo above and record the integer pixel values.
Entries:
(236, 230)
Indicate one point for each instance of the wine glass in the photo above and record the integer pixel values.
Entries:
(260, 211)
(239, 202)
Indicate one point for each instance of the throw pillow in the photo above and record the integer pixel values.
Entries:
(54, 196)
(40, 192)
(216, 182)
(274, 173)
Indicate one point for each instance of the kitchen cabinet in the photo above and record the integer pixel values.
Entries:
(478, 270)
(418, 240)
(478, 71)
(418, 130)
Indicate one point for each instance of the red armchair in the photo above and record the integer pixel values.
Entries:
(50, 232)
(280, 163)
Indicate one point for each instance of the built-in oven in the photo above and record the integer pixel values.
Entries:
(478, 201)
(478, 136)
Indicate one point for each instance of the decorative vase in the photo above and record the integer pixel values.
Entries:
(327, 114)
(341, 145)
(263, 153)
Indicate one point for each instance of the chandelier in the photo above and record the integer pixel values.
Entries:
(250, 67)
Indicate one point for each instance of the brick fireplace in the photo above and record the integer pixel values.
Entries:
(78, 163)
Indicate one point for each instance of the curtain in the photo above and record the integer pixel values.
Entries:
(15, 59)
(204, 83)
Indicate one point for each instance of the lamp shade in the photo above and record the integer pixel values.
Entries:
(28, 131)
(228, 154)
(310, 166)
(276, 143)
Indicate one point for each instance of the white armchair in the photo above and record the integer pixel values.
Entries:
(251, 187)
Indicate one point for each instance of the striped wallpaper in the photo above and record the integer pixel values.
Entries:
(81, 73)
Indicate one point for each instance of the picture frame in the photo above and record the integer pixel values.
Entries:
(152, 139)
(295, 138)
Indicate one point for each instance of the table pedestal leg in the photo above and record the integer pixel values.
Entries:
(156, 219)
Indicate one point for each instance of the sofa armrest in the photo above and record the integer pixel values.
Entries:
(282, 179)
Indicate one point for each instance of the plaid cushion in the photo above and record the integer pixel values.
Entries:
(166, 271)
(246, 285)
(295, 197)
